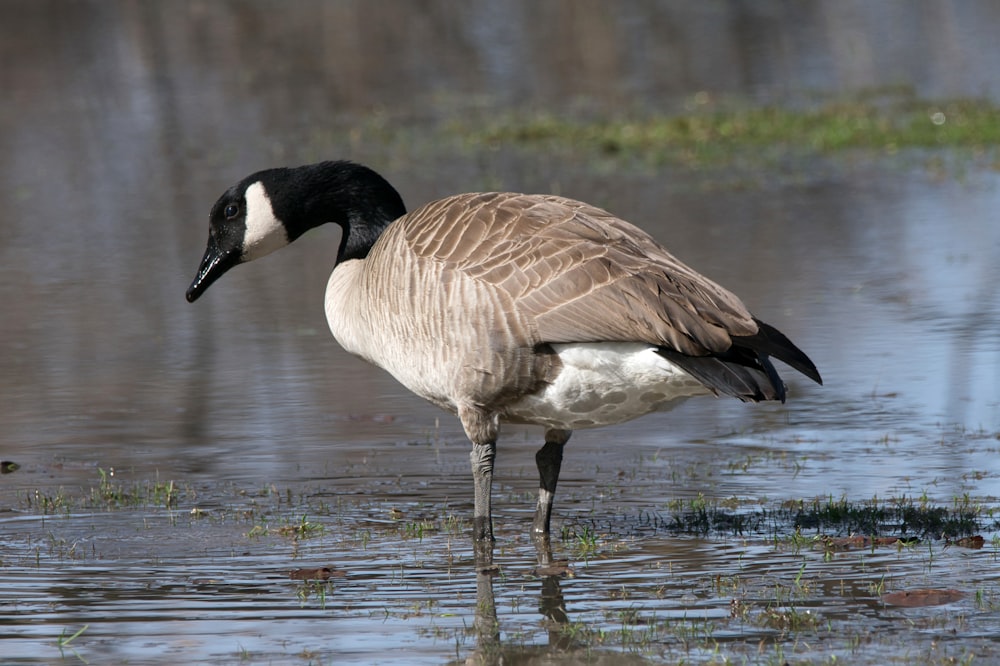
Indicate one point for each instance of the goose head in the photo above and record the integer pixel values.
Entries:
(269, 209)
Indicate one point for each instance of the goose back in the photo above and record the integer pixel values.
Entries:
(463, 299)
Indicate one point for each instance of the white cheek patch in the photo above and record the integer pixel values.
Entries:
(265, 232)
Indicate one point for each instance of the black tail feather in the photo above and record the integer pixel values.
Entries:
(773, 376)
(772, 342)
(738, 379)
(745, 370)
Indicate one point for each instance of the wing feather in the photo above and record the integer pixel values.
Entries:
(534, 270)
(577, 273)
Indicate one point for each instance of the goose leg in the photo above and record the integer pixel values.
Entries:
(482, 457)
(549, 461)
(482, 429)
(485, 622)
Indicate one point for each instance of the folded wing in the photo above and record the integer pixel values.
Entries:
(576, 273)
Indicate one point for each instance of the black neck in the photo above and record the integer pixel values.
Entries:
(361, 201)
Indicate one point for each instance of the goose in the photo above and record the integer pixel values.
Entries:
(507, 308)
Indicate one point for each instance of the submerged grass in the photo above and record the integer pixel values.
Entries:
(905, 519)
(110, 493)
(272, 512)
(796, 606)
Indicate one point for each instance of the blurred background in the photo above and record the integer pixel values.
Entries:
(122, 121)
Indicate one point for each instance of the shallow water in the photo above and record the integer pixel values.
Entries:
(123, 125)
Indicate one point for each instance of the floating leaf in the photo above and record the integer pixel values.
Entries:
(975, 542)
(918, 598)
(317, 573)
(554, 569)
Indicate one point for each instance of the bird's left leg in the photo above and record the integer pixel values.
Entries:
(549, 461)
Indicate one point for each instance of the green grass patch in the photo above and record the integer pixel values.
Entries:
(904, 518)
(110, 493)
(710, 133)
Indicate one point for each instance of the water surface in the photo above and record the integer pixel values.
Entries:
(122, 123)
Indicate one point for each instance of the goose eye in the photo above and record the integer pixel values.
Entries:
(231, 211)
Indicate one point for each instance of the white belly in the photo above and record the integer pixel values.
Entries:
(603, 383)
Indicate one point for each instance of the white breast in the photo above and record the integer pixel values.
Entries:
(603, 383)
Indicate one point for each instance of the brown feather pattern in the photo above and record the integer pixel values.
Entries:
(497, 277)
(576, 272)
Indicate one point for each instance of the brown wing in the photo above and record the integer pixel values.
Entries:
(576, 273)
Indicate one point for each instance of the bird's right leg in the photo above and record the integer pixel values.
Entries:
(482, 457)
(482, 429)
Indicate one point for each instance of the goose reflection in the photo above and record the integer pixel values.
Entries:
(560, 647)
